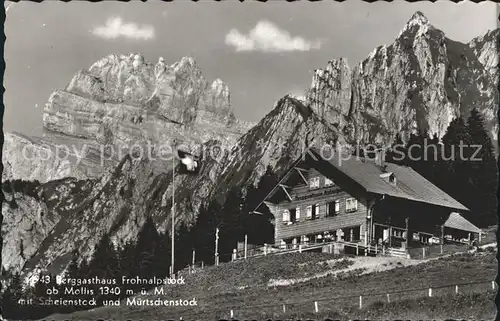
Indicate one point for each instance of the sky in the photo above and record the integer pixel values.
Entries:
(263, 51)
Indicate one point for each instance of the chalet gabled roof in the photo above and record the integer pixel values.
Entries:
(458, 222)
(409, 184)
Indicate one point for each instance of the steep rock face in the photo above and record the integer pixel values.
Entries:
(23, 229)
(486, 48)
(118, 203)
(123, 103)
(112, 204)
(276, 141)
(420, 82)
(31, 159)
(31, 212)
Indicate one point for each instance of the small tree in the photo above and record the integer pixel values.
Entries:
(10, 297)
(147, 244)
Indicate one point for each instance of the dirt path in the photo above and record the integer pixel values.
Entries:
(367, 265)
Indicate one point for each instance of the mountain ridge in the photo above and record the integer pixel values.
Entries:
(419, 82)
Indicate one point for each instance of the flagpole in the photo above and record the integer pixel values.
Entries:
(173, 211)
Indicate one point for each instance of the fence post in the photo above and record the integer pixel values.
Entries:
(284, 308)
(376, 249)
(388, 298)
(234, 255)
(202, 264)
(300, 248)
(456, 289)
(246, 245)
(231, 314)
(316, 306)
(357, 250)
(441, 248)
(360, 302)
(423, 252)
(217, 246)
(493, 285)
(265, 248)
(430, 292)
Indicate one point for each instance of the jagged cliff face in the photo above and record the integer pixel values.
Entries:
(420, 82)
(124, 101)
(33, 159)
(486, 49)
(277, 141)
(31, 213)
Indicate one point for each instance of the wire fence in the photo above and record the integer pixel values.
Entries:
(425, 252)
(328, 303)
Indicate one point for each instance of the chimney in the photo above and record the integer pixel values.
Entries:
(380, 157)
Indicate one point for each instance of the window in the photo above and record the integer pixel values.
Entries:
(316, 211)
(297, 213)
(293, 217)
(314, 182)
(286, 216)
(328, 182)
(333, 208)
(351, 205)
(392, 179)
(309, 212)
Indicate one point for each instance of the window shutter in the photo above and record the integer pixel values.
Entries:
(286, 216)
(309, 212)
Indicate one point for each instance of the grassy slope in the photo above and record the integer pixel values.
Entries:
(242, 286)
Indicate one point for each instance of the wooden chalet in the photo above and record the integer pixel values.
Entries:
(328, 198)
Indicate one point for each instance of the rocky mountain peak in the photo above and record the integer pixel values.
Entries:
(417, 26)
(486, 48)
(185, 62)
(418, 18)
(124, 99)
(220, 89)
(419, 82)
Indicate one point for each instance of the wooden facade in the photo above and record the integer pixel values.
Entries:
(328, 204)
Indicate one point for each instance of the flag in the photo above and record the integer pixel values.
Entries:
(189, 163)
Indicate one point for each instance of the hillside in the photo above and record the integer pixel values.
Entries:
(246, 288)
